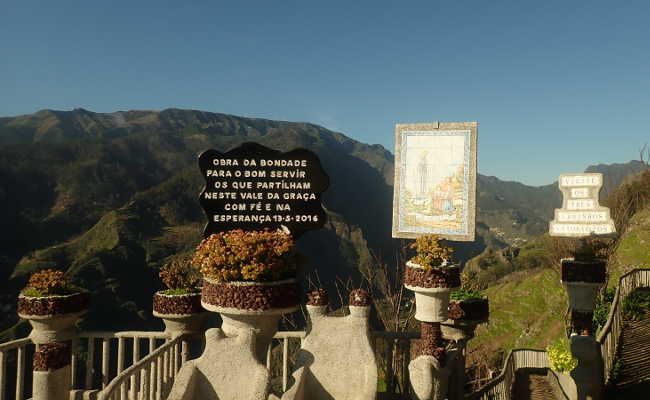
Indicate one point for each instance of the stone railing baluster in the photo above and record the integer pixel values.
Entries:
(90, 360)
(105, 361)
(20, 373)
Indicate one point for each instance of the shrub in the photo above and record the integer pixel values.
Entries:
(246, 255)
(636, 305)
(431, 253)
(48, 282)
(603, 304)
(560, 357)
(179, 276)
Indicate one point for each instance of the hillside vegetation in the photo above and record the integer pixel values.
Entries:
(110, 197)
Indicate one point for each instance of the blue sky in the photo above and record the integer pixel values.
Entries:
(554, 85)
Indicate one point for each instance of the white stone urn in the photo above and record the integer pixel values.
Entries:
(182, 314)
(53, 317)
(431, 303)
(255, 306)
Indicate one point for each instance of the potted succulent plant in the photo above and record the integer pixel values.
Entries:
(584, 273)
(430, 275)
(52, 306)
(249, 278)
(179, 305)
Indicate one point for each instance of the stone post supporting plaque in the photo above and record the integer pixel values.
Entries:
(581, 216)
(582, 278)
(429, 372)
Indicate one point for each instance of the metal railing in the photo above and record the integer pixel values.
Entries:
(610, 335)
(500, 388)
(14, 355)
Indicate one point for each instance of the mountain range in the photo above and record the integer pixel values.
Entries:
(109, 197)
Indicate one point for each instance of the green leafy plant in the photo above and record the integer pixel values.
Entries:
(603, 304)
(247, 255)
(636, 305)
(180, 277)
(560, 356)
(430, 252)
(48, 282)
(466, 295)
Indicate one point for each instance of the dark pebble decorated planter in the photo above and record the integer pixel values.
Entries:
(53, 317)
(582, 280)
(432, 288)
(251, 305)
(464, 316)
(181, 313)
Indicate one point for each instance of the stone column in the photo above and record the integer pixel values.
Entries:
(429, 372)
(460, 331)
(582, 279)
(53, 321)
(52, 372)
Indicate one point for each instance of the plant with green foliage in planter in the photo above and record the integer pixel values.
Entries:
(52, 305)
(467, 304)
(248, 270)
(179, 305)
(249, 279)
(431, 277)
(430, 267)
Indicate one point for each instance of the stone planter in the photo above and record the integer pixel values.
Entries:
(470, 310)
(582, 279)
(181, 313)
(589, 271)
(432, 288)
(253, 306)
(53, 318)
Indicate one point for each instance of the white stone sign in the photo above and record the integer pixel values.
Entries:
(581, 215)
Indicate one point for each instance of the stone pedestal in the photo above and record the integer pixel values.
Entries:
(588, 375)
(52, 385)
(336, 359)
(53, 321)
(429, 379)
(429, 372)
(460, 331)
(582, 295)
(52, 371)
(52, 328)
(582, 278)
(182, 324)
(228, 369)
